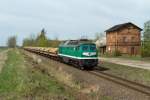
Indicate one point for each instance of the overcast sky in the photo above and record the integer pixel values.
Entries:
(68, 19)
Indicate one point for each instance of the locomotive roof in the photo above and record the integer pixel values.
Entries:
(76, 42)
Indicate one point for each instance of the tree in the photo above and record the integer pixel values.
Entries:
(146, 34)
(12, 42)
(99, 36)
(54, 42)
(42, 40)
(29, 41)
(146, 40)
(100, 39)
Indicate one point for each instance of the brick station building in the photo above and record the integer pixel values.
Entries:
(125, 38)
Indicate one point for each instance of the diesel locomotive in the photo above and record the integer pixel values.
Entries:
(80, 52)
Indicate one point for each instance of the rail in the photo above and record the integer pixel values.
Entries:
(124, 82)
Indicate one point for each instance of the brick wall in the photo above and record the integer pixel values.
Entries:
(126, 40)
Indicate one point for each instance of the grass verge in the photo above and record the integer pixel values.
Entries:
(134, 74)
(20, 80)
(127, 57)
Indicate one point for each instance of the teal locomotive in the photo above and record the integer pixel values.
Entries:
(79, 52)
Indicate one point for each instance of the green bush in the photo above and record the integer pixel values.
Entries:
(107, 54)
(145, 52)
(116, 53)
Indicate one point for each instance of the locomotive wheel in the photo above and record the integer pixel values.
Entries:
(65, 60)
(82, 68)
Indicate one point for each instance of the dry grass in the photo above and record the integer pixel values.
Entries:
(56, 70)
(3, 58)
(133, 74)
(20, 80)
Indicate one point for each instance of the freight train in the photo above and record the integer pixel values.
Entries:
(82, 53)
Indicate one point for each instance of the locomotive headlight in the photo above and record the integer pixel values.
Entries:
(89, 53)
(92, 53)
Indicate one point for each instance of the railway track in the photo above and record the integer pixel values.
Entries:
(123, 82)
(118, 80)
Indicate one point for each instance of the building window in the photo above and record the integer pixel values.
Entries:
(109, 49)
(132, 39)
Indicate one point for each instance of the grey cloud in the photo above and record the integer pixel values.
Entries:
(68, 18)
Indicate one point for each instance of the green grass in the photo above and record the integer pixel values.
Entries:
(139, 58)
(128, 57)
(19, 80)
(2, 49)
(134, 74)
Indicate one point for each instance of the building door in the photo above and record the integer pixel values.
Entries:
(132, 51)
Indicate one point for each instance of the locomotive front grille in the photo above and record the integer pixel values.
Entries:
(90, 62)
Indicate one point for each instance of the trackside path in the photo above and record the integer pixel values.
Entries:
(131, 63)
(3, 58)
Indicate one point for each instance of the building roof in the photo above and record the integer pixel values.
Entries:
(119, 26)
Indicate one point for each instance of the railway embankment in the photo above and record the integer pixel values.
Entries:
(94, 87)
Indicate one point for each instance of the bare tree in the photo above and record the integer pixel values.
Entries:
(12, 42)
(100, 39)
(99, 36)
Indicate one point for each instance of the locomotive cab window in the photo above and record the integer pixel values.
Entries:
(93, 48)
(85, 48)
